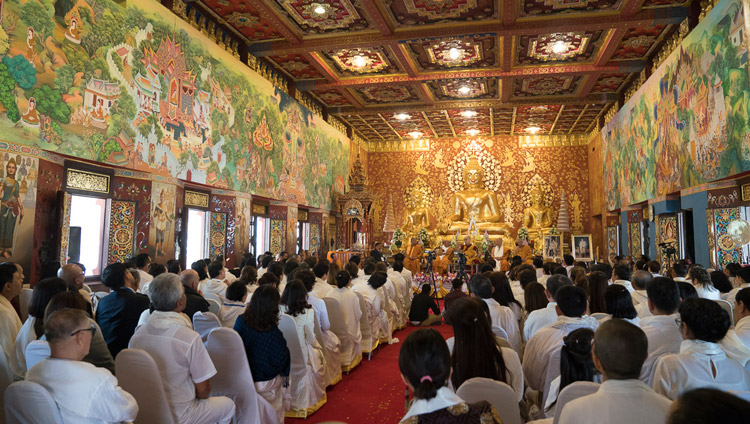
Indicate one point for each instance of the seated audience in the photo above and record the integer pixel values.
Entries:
(571, 310)
(621, 275)
(73, 276)
(741, 316)
(619, 351)
(290, 269)
(425, 365)
(731, 270)
(249, 277)
(503, 294)
(267, 259)
(576, 364)
(215, 284)
(33, 328)
(700, 278)
(266, 348)
(503, 317)
(322, 288)
(640, 280)
(118, 312)
(620, 304)
(679, 271)
(195, 302)
(701, 362)
(351, 346)
(269, 279)
(475, 351)
(201, 268)
(547, 316)
(173, 266)
(741, 281)
(229, 278)
(398, 268)
(421, 306)
(82, 392)
(11, 281)
(234, 304)
(709, 406)
(660, 326)
(142, 262)
(654, 267)
(181, 357)
(457, 292)
(155, 269)
(721, 282)
(687, 290)
(535, 298)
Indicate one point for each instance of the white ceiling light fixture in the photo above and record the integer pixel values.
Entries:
(560, 47)
(402, 116)
(319, 9)
(533, 130)
(472, 132)
(464, 89)
(454, 53)
(415, 134)
(469, 114)
(359, 61)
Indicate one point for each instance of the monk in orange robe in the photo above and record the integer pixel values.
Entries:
(443, 257)
(413, 260)
(471, 252)
(524, 251)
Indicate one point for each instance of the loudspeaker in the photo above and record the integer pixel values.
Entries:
(74, 244)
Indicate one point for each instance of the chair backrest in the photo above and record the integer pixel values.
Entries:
(497, 393)
(289, 329)
(23, 302)
(28, 402)
(6, 378)
(87, 288)
(336, 318)
(571, 392)
(213, 304)
(234, 379)
(36, 352)
(138, 375)
(204, 323)
(553, 371)
(727, 307)
(368, 339)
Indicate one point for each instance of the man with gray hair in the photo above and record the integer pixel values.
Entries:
(194, 300)
(640, 278)
(82, 392)
(180, 355)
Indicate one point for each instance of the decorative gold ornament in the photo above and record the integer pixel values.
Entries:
(483, 160)
(87, 181)
(537, 182)
(196, 198)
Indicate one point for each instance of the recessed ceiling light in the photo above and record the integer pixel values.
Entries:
(533, 130)
(472, 132)
(560, 47)
(415, 134)
(402, 116)
(468, 114)
(359, 61)
(319, 9)
(454, 53)
(464, 89)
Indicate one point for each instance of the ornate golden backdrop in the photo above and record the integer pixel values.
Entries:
(509, 167)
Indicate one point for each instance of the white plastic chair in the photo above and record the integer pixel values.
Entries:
(369, 340)
(727, 307)
(339, 328)
(572, 392)
(301, 374)
(36, 352)
(27, 402)
(23, 303)
(204, 323)
(553, 371)
(213, 296)
(138, 375)
(214, 306)
(497, 393)
(6, 378)
(234, 380)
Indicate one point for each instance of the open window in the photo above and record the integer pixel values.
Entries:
(261, 234)
(197, 235)
(88, 233)
(303, 236)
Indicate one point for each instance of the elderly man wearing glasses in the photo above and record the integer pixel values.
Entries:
(83, 392)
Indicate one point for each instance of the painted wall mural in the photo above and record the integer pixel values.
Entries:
(161, 231)
(135, 86)
(509, 167)
(121, 231)
(688, 124)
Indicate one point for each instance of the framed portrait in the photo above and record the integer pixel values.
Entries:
(581, 247)
(552, 248)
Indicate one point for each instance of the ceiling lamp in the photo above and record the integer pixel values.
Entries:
(560, 47)
(533, 130)
(472, 132)
(454, 53)
(359, 61)
(464, 89)
(402, 116)
(415, 134)
(319, 9)
(469, 114)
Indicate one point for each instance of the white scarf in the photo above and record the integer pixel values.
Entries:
(443, 399)
(734, 348)
(161, 319)
(700, 347)
(585, 321)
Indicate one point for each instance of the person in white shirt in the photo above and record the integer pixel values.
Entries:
(568, 263)
(699, 277)
(502, 317)
(708, 406)
(73, 276)
(322, 288)
(621, 275)
(545, 317)
(701, 361)
(216, 283)
(571, 310)
(11, 282)
(399, 257)
(182, 359)
(498, 253)
(679, 271)
(234, 304)
(619, 351)
(402, 293)
(83, 393)
(425, 365)
(267, 259)
(619, 304)
(351, 345)
(538, 268)
(576, 364)
(406, 292)
(356, 260)
(142, 262)
(229, 278)
(661, 326)
(390, 295)
(654, 267)
(742, 316)
(640, 280)
(290, 269)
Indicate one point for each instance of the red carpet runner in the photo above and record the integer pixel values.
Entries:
(373, 393)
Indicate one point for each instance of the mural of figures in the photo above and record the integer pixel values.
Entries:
(131, 84)
(17, 206)
(242, 225)
(161, 233)
(687, 124)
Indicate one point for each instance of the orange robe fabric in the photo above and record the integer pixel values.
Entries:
(525, 253)
(472, 254)
(442, 265)
(414, 265)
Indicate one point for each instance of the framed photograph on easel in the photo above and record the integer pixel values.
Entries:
(581, 246)
(552, 246)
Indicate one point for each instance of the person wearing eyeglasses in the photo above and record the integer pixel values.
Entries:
(82, 392)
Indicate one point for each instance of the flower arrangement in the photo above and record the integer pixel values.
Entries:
(523, 234)
(553, 230)
(484, 246)
(423, 236)
(398, 237)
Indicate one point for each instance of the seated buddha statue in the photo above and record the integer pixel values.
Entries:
(537, 218)
(475, 202)
(417, 217)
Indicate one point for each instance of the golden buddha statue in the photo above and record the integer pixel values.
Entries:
(475, 202)
(417, 217)
(537, 218)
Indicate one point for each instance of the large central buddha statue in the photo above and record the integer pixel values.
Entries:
(476, 202)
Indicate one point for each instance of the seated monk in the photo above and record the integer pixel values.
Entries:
(443, 258)
(413, 259)
(524, 250)
(471, 252)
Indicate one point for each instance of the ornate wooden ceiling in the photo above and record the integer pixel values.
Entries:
(394, 69)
